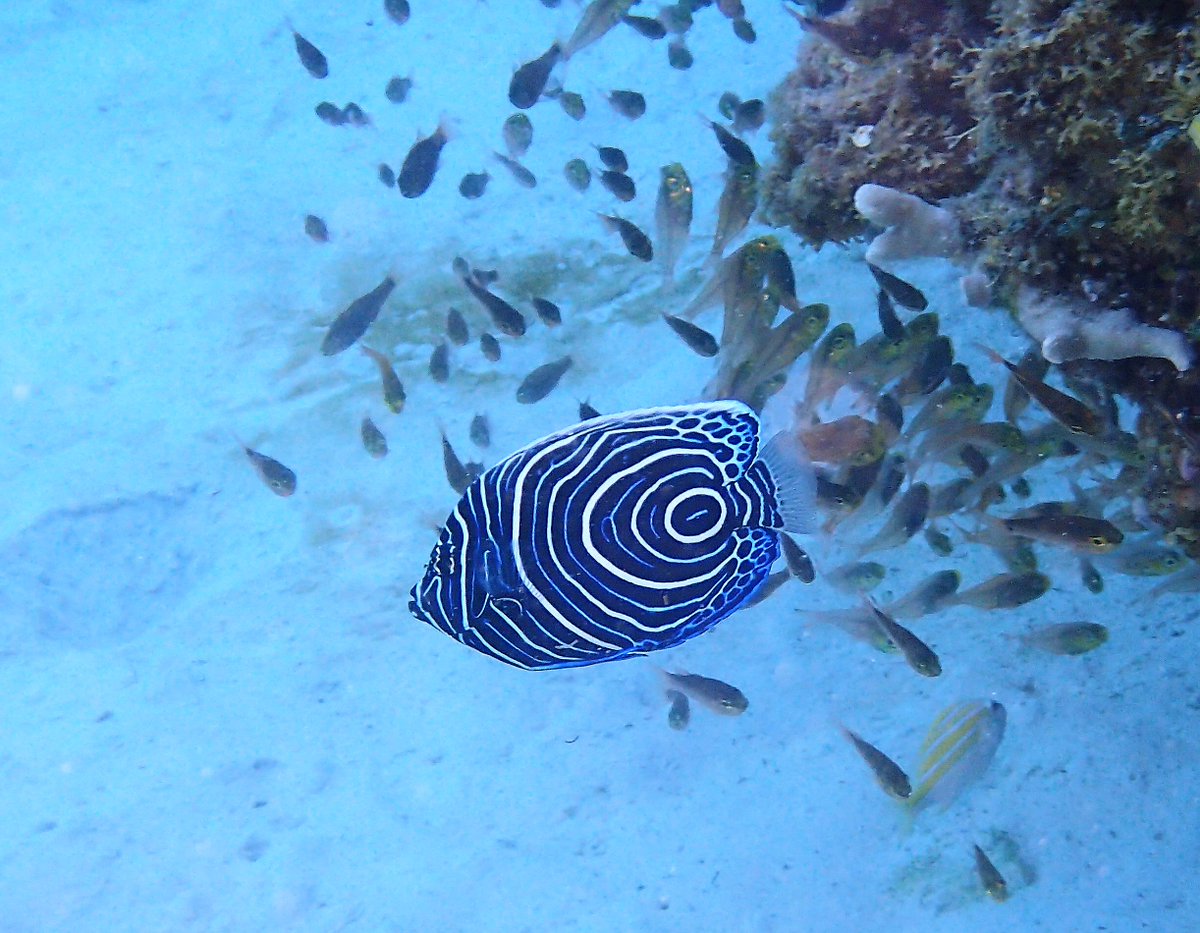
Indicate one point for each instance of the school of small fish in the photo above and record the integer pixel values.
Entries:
(897, 438)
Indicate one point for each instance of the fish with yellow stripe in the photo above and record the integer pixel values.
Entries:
(957, 750)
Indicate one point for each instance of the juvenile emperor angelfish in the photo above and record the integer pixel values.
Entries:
(622, 535)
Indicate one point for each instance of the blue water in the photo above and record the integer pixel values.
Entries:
(218, 714)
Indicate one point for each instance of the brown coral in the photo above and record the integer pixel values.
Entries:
(1055, 126)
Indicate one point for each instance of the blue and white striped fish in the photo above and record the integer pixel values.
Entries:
(622, 535)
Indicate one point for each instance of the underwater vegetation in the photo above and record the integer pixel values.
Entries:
(1059, 137)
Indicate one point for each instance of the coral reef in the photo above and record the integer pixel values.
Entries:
(1055, 129)
(1059, 134)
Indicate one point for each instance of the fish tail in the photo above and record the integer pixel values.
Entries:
(795, 481)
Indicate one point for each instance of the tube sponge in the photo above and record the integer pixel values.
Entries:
(1069, 332)
(912, 227)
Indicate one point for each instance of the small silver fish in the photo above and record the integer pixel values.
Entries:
(372, 439)
(278, 478)
(920, 656)
(710, 693)
(989, 876)
(889, 775)
(672, 215)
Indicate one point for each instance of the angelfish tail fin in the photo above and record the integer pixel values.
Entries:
(795, 481)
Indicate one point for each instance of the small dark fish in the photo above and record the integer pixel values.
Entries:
(518, 135)
(613, 158)
(918, 654)
(959, 375)
(456, 328)
(310, 57)
(934, 366)
(421, 163)
(799, 563)
(355, 116)
(697, 338)
(773, 582)
(508, 319)
(973, 459)
(1091, 535)
(579, 176)
(460, 267)
(620, 185)
(727, 104)
(473, 185)
(1016, 399)
(481, 433)
(737, 151)
(330, 113)
(439, 363)
(680, 713)
(635, 240)
(888, 774)
(1075, 416)
(386, 175)
(398, 10)
(397, 89)
(573, 105)
(629, 104)
(520, 173)
(457, 474)
(352, 323)
(749, 116)
(717, 695)
(836, 497)
(315, 227)
(889, 412)
(373, 440)
(993, 882)
(905, 295)
(939, 542)
(646, 26)
(930, 595)
(889, 321)
(679, 56)
(744, 30)
(1067, 638)
(587, 412)
(1090, 576)
(393, 389)
(530, 79)
(541, 382)
(1005, 591)
(490, 347)
(279, 479)
(547, 311)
